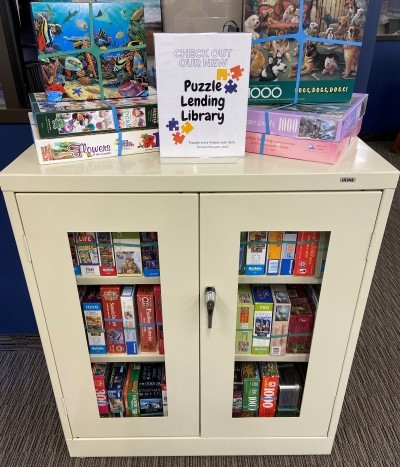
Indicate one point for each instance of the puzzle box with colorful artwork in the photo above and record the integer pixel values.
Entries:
(202, 91)
(91, 50)
(304, 51)
(93, 146)
(69, 117)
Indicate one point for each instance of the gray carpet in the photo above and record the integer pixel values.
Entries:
(369, 428)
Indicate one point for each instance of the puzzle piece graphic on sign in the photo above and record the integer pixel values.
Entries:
(173, 125)
(230, 87)
(178, 137)
(187, 127)
(222, 74)
(237, 72)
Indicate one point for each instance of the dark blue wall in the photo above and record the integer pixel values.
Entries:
(16, 314)
(383, 109)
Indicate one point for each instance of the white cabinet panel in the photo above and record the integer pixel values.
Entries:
(46, 219)
(222, 218)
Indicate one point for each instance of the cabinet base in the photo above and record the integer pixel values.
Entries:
(135, 447)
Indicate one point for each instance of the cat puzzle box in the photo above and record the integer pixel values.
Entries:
(84, 117)
(303, 51)
(93, 146)
(91, 50)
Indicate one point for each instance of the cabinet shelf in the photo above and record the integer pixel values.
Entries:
(117, 358)
(279, 280)
(270, 358)
(113, 280)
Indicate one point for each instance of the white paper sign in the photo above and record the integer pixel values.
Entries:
(202, 89)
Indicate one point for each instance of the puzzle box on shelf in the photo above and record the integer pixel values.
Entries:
(92, 50)
(78, 117)
(327, 122)
(93, 146)
(202, 86)
(303, 51)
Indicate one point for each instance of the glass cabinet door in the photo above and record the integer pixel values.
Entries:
(118, 280)
(286, 269)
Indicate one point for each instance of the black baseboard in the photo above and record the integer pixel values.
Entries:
(390, 136)
(12, 342)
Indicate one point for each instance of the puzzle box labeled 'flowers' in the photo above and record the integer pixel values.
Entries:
(202, 89)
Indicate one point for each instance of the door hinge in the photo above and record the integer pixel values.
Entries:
(371, 246)
(28, 253)
(65, 407)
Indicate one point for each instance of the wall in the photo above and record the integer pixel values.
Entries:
(16, 314)
(383, 110)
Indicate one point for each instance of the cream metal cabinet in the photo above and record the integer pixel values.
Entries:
(199, 210)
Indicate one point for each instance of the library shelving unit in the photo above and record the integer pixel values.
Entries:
(199, 209)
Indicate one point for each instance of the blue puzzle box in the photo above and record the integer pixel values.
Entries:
(92, 50)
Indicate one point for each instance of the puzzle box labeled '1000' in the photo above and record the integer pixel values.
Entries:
(304, 51)
(326, 122)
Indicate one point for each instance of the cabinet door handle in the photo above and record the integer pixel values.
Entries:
(210, 298)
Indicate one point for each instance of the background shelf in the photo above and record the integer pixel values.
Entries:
(279, 280)
(270, 358)
(121, 357)
(112, 280)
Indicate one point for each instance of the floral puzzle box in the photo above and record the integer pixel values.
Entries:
(93, 146)
(69, 117)
(327, 122)
(91, 50)
(304, 51)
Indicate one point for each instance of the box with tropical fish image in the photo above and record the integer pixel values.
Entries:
(304, 51)
(92, 50)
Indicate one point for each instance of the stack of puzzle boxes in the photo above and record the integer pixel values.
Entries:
(94, 56)
(303, 65)
(319, 132)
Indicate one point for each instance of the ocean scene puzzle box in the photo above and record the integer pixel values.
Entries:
(304, 50)
(92, 50)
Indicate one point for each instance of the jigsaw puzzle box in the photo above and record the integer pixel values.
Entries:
(93, 146)
(304, 51)
(202, 85)
(327, 152)
(82, 117)
(327, 122)
(91, 50)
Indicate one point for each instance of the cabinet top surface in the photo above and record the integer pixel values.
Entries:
(361, 169)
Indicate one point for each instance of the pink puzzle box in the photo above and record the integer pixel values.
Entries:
(327, 152)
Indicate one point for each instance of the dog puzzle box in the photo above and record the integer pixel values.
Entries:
(69, 117)
(325, 122)
(303, 51)
(91, 50)
(93, 146)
